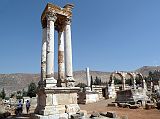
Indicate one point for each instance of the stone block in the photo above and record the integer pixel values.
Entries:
(80, 113)
(134, 106)
(63, 116)
(112, 105)
(72, 108)
(111, 115)
(84, 112)
(56, 116)
(95, 114)
(69, 98)
(50, 110)
(103, 114)
(75, 116)
(158, 105)
(149, 106)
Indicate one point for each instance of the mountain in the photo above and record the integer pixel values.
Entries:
(19, 81)
(145, 69)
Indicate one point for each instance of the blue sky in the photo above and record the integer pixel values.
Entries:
(107, 35)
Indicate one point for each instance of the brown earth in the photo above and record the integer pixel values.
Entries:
(140, 113)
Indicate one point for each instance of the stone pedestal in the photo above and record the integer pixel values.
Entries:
(88, 97)
(111, 91)
(57, 100)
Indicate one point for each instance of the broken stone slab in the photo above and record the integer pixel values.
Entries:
(75, 116)
(79, 115)
(124, 105)
(109, 114)
(134, 106)
(149, 106)
(112, 105)
(95, 114)
(55, 116)
(158, 105)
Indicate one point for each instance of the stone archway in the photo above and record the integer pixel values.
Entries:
(143, 80)
(122, 76)
(133, 76)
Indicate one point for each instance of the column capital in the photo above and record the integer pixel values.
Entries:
(60, 28)
(51, 16)
(68, 21)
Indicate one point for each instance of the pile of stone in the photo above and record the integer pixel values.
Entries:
(3, 113)
(97, 115)
(104, 115)
(158, 105)
(149, 106)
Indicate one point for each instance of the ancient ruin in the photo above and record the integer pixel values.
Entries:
(88, 96)
(128, 94)
(56, 98)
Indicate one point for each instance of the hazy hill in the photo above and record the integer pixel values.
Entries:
(145, 69)
(19, 81)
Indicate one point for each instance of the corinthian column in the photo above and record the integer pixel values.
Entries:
(50, 81)
(68, 54)
(43, 55)
(60, 57)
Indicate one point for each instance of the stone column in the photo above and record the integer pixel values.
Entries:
(43, 56)
(50, 81)
(123, 81)
(134, 81)
(68, 54)
(61, 69)
(144, 85)
(88, 79)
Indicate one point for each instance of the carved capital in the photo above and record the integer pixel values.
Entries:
(68, 21)
(60, 28)
(50, 16)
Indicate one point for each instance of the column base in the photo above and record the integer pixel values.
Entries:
(50, 82)
(70, 81)
(61, 83)
(88, 89)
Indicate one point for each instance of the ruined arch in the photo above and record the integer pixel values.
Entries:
(143, 85)
(132, 77)
(121, 74)
(113, 75)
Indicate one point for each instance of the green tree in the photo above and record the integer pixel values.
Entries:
(117, 81)
(129, 81)
(97, 81)
(138, 80)
(32, 89)
(24, 93)
(81, 85)
(3, 94)
(19, 95)
(91, 82)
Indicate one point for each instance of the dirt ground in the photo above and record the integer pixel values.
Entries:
(101, 106)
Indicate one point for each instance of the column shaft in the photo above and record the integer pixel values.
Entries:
(43, 55)
(68, 52)
(50, 81)
(88, 77)
(123, 84)
(60, 58)
(134, 83)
